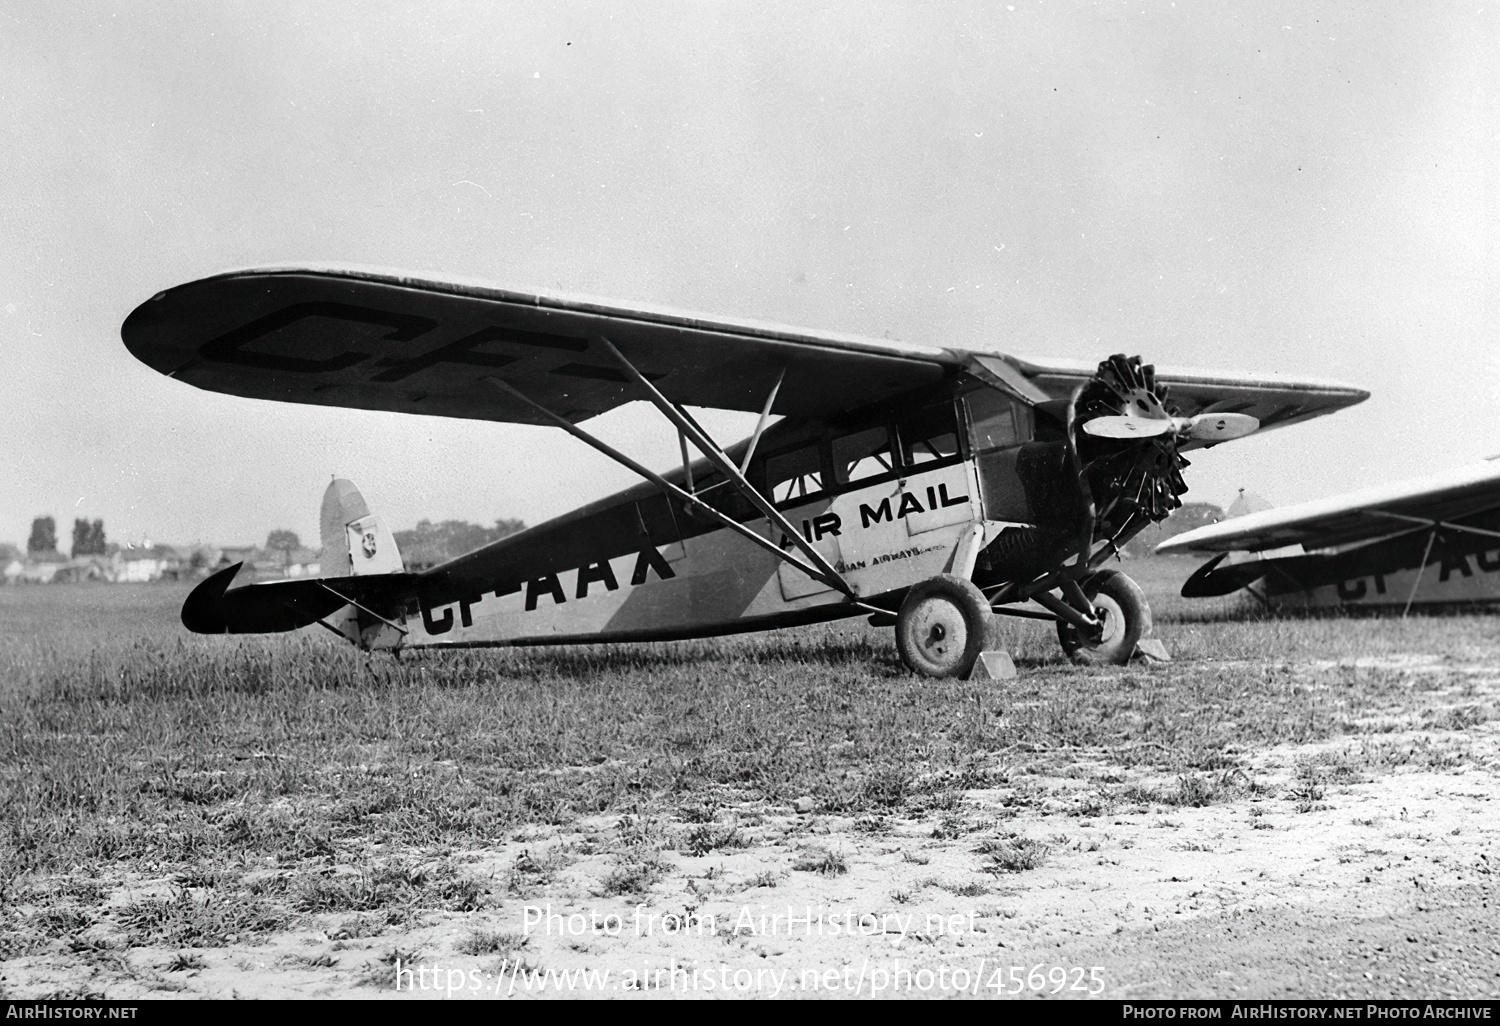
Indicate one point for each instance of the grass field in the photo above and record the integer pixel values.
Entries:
(275, 780)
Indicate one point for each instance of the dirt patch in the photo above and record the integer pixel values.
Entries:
(1329, 876)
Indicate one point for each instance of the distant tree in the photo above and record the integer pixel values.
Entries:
(1186, 517)
(428, 544)
(285, 542)
(43, 535)
(88, 538)
(1192, 515)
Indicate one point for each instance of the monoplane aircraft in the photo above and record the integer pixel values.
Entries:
(923, 486)
(1430, 540)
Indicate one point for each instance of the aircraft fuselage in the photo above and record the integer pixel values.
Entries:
(887, 496)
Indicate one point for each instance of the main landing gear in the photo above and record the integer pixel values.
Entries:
(942, 626)
(946, 622)
(1125, 617)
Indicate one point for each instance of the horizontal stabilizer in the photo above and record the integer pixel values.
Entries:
(1212, 580)
(276, 606)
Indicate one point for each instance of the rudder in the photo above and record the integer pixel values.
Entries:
(355, 541)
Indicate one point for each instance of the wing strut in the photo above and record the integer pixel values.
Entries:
(1418, 582)
(1445, 524)
(685, 424)
(691, 500)
(760, 425)
(687, 464)
(1436, 526)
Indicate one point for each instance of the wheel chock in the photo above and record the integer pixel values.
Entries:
(1152, 650)
(993, 664)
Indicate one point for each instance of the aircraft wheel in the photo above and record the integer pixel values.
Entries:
(942, 626)
(1127, 619)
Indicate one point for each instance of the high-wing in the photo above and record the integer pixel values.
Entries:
(1358, 517)
(409, 346)
(387, 342)
(1274, 401)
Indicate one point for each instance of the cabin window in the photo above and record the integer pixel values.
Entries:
(995, 421)
(863, 454)
(793, 475)
(930, 435)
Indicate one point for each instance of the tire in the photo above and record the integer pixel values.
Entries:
(942, 626)
(1127, 619)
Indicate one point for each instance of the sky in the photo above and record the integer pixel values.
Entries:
(1308, 188)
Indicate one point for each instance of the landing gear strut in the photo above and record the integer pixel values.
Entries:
(1121, 604)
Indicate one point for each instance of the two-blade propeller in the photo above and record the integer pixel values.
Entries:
(1206, 427)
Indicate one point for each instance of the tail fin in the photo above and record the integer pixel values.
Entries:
(355, 541)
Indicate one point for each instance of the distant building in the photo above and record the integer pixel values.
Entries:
(128, 564)
(303, 562)
(246, 554)
(137, 564)
(146, 561)
(86, 568)
(259, 562)
(36, 568)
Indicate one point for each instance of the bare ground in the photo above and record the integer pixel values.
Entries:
(1360, 865)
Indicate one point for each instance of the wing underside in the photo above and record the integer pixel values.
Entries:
(1360, 518)
(408, 346)
(1443, 517)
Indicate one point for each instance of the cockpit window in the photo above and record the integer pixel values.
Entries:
(995, 422)
(929, 435)
(863, 454)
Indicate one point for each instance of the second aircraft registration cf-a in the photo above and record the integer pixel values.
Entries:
(928, 488)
